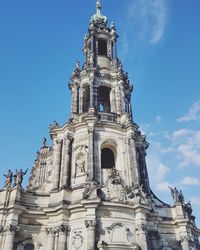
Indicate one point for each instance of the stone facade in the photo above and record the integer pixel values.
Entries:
(90, 190)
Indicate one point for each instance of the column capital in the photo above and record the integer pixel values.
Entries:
(90, 224)
(51, 231)
(64, 229)
(11, 229)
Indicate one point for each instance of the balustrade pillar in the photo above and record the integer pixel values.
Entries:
(90, 225)
(57, 162)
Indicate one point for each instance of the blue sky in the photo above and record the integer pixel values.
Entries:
(159, 46)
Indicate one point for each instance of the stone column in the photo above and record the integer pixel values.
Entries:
(118, 101)
(50, 239)
(123, 104)
(143, 168)
(92, 94)
(74, 103)
(114, 50)
(57, 162)
(62, 241)
(91, 153)
(141, 230)
(66, 161)
(185, 242)
(9, 236)
(133, 161)
(90, 225)
(81, 100)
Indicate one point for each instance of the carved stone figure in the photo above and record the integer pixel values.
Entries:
(91, 188)
(44, 142)
(177, 195)
(8, 180)
(18, 177)
(137, 194)
(80, 164)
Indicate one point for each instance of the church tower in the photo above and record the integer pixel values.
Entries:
(90, 189)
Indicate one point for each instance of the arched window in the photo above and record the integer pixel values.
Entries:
(86, 99)
(102, 47)
(107, 158)
(104, 99)
(29, 247)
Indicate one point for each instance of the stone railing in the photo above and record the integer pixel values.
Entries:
(108, 117)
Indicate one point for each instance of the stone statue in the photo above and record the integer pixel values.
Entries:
(44, 142)
(8, 180)
(177, 196)
(80, 165)
(18, 177)
(115, 177)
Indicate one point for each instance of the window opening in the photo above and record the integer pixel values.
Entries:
(104, 99)
(102, 47)
(107, 158)
(86, 99)
(29, 247)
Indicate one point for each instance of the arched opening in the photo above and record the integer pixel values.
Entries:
(102, 47)
(86, 99)
(107, 158)
(29, 247)
(104, 99)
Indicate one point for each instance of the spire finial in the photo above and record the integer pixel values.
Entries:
(98, 6)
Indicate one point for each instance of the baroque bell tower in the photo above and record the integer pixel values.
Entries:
(101, 111)
(90, 189)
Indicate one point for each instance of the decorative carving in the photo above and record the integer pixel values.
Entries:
(54, 125)
(138, 195)
(90, 224)
(115, 178)
(91, 188)
(78, 240)
(8, 180)
(18, 177)
(50, 231)
(177, 195)
(115, 187)
(12, 228)
(64, 229)
(80, 164)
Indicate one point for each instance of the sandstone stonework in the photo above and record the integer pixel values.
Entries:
(90, 189)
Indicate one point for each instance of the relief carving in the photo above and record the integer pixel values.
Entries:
(78, 240)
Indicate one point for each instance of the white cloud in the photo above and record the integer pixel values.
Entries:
(147, 18)
(190, 181)
(193, 114)
(186, 144)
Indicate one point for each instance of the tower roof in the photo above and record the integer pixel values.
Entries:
(98, 17)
